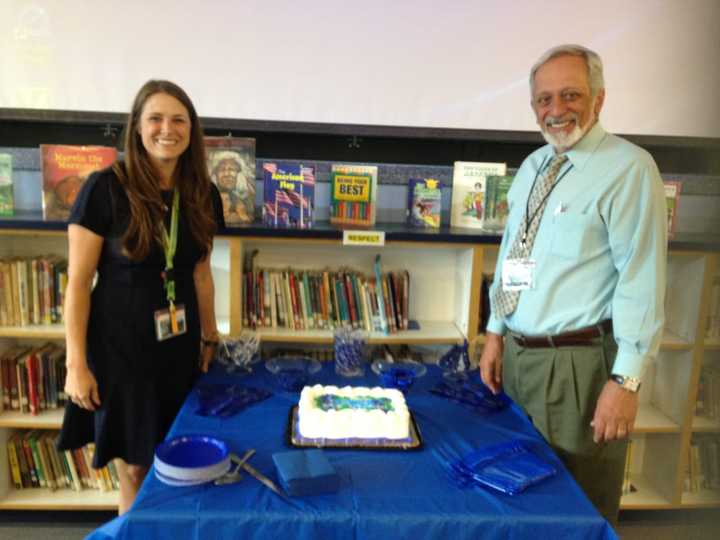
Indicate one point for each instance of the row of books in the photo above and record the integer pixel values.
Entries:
(479, 193)
(703, 464)
(288, 188)
(304, 300)
(33, 378)
(708, 393)
(712, 327)
(32, 290)
(35, 462)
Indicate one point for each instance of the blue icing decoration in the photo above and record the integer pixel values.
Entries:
(328, 402)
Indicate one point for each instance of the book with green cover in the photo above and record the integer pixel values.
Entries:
(496, 205)
(672, 201)
(353, 194)
(7, 204)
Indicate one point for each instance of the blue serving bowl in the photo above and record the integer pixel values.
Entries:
(292, 373)
(400, 374)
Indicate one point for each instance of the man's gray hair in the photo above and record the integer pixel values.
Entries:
(592, 59)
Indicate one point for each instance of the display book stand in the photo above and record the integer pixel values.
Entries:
(446, 270)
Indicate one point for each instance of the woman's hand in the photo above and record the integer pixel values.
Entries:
(81, 388)
(207, 353)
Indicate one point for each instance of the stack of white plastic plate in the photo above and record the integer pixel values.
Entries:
(189, 460)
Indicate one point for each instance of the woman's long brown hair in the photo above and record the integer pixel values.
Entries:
(142, 183)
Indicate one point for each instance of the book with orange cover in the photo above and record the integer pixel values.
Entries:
(65, 168)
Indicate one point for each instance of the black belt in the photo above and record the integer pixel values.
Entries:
(573, 338)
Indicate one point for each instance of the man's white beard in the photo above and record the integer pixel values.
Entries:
(564, 141)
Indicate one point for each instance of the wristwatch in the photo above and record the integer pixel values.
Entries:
(631, 384)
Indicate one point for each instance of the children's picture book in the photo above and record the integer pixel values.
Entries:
(288, 195)
(468, 192)
(7, 204)
(672, 201)
(65, 168)
(231, 165)
(424, 203)
(496, 205)
(353, 194)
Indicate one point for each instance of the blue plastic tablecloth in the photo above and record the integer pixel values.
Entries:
(383, 494)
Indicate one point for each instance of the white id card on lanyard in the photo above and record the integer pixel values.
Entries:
(518, 274)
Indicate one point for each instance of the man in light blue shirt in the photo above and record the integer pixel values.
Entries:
(580, 280)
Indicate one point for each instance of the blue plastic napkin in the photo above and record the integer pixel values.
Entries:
(508, 467)
(305, 472)
(224, 400)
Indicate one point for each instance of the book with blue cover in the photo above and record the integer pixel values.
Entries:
(288, 195)
(424, 203)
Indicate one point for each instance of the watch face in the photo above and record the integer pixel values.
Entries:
(628, 383)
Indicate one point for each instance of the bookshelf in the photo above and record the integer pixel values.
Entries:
(446, 269)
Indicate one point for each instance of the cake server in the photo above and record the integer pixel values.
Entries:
(264, 480)
(235, 476)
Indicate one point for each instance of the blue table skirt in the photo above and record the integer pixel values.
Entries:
(383, 494)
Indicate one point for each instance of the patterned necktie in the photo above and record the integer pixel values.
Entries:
(507, 301)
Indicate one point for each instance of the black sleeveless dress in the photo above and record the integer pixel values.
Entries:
(142, 382)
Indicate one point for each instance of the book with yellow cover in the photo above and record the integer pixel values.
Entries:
(353, 194)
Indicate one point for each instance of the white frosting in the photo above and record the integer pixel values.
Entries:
(314, 423)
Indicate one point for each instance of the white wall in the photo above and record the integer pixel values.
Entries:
(452, 63)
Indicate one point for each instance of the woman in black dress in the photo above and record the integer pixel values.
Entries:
(137, 340)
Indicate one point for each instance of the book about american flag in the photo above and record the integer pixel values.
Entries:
(468, 192)
(231, 166)
(288, 195)
(353, 194)
(65, 168)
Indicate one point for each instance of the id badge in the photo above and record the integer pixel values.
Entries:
(518, 274)
(169, 324)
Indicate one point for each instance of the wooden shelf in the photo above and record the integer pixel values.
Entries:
(712, 344)
(431, 332)
(34, 331)
(673, 342)
(702, 424)
(705, 498)
(50, 419)
(60, 499)
(651, 420)
(645, 498)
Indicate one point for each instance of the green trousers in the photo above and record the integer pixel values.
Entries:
(558, 388)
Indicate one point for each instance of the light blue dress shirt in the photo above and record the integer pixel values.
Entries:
(600, 250)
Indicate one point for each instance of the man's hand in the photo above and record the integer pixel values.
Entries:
(615, 413)
(491, 362)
